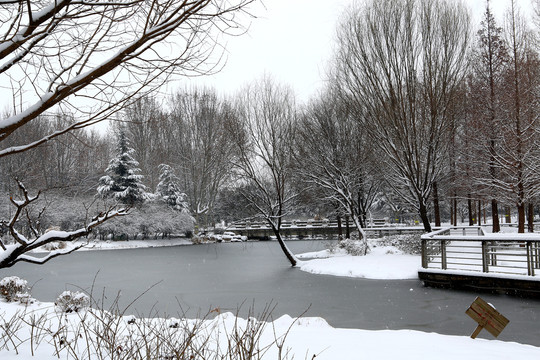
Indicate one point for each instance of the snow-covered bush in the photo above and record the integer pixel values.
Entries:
(197, 239)
(109, 334)
(169, 191)
(352, 247)
(70, 301)
(408, 243)
(13, 288)
(151, 219)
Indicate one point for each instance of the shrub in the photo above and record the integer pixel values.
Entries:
(12, 288)
(196, 239)
(70, 301)
(352, 247)
(55, 245)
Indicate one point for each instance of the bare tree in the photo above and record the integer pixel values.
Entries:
(517, 160)
(335, 155)
(105, 52)
(202, 148)
(143, 120)
(398, 65)
(489, 61)
(264, 134)
(91, 59)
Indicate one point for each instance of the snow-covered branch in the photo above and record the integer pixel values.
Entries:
(10, 254)
(103, 51)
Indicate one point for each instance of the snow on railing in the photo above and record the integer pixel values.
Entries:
(470, 248)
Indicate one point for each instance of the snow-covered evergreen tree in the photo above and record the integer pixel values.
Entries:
(123, 183)
(169, 190)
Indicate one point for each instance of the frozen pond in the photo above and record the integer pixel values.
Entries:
(199, 278)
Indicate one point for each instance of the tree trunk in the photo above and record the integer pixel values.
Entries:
(508, 214)
(361, 233)
(452, 213)
(479, 215)
(495, 215)
(521, 218)
(362, 213)
(530, 218)
(436, 208)
(340, 230)
(455, 209)
(470, 210)
(347, 229)
(424, 216)
(290, 256)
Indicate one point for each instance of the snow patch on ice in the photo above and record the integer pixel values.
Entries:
(383, 262)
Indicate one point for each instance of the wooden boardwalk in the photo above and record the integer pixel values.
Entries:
(468, 257)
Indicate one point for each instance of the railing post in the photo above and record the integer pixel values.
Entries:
(530, 261)
(485, 267)
(493, 254)
(424, 254)
(537, 253)
(443, 254)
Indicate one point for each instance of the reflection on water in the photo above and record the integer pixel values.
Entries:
(203, 277)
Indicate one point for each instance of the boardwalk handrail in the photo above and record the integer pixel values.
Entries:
(463, 230)
(481, 252)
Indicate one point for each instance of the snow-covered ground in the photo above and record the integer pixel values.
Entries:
(131, 244)
(305, 338)
(382, 262)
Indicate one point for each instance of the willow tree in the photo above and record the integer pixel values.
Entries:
(398, 65)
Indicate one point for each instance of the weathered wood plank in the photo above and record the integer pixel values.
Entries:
(487, 317)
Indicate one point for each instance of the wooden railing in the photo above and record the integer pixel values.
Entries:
(471, 249)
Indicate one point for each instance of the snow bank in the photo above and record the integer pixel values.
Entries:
(306, 337)
(131, 244)
(383, 262)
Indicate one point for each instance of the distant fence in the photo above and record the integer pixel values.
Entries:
(315, 228)
(469, 248)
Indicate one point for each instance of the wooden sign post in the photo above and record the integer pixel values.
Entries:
(487, 318)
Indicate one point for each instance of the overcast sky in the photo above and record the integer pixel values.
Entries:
(293, 40)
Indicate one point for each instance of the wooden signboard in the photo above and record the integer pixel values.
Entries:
(487, 318)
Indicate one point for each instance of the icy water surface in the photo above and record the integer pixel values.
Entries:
(203, 277)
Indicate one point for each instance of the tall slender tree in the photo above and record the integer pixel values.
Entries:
(264, 133)
(335, 156)
(489, 61)
(518, 156)
(398, 65)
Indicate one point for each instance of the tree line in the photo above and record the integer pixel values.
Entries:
(424, 112)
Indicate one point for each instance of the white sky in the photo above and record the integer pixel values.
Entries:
(292, 40)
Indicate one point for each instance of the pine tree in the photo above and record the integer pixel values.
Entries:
(169, 190)
(123, 183)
